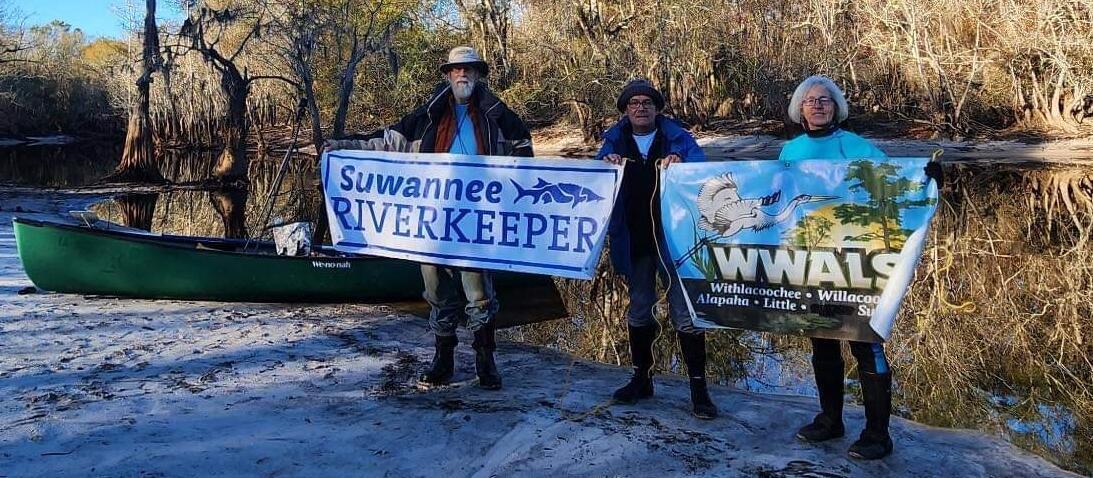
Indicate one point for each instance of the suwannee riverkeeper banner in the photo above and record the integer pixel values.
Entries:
(541, 216)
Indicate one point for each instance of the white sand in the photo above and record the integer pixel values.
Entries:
(111, 387)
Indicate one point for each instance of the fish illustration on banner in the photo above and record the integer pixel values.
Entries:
(535, 215)
(562, 193)
(824, 248)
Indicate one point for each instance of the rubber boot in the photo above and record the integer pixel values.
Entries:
(693, 347)
(874, 442)
(443, 366)
(641, 354)
(829, 386)
(484, 345)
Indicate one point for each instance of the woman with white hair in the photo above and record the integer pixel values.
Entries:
(819, 106)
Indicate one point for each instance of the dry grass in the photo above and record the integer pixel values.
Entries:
(1002, 298)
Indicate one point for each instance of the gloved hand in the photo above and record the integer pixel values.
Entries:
(333, 145)
(935, 172)
(336, 144)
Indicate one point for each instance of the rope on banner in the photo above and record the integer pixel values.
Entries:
(660, 164)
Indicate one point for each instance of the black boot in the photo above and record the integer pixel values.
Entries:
(874, 442)
(693, 347)
(484, 345)
(443, 366)
(829, 385)
(641, 354)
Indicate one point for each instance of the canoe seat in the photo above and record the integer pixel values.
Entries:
(215, 247)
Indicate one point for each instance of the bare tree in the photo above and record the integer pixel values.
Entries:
(138, 158)
(298, 26)
(944, 52)
(367, 29)
(489, 22)
(221, 36)
(1048, 48)
(12, 41)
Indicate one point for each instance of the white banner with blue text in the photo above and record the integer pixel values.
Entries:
(535, 215)
(824, 248)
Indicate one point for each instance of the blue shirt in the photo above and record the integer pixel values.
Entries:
(838, 145)
(464, 141)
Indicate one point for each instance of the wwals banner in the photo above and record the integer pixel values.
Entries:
(824, 248)
(543, 216)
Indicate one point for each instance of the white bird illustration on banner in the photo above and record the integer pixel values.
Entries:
(726, 213)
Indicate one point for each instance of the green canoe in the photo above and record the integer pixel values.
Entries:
(115, 261)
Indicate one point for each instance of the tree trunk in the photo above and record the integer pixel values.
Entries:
(138, 158)
(345, 92)
(137, 210)
(313, 114)
(231, 205)
(498, 13)
(232, 164)
(308, 82)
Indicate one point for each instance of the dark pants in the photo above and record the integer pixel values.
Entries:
(870, 356)
(443, 287)
(642, 280)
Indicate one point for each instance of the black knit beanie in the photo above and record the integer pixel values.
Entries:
(637, 87)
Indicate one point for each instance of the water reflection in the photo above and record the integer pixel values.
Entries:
(137, 210)
(190, 209)
(65, 166)
(231, 204)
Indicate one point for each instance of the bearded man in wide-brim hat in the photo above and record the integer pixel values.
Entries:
(463, 117)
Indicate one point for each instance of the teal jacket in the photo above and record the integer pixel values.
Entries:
(840, 144)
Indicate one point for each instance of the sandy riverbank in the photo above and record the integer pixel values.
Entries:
(94, 386)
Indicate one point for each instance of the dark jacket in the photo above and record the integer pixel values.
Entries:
(638, 186)
(506, 134)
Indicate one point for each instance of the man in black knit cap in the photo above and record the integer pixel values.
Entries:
(643, 139)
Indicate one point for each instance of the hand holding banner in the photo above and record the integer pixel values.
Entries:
(542, 216)
(824, 248)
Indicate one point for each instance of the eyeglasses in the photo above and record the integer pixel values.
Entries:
(637, 104)
(819, 101)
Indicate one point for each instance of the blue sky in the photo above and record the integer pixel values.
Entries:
(96, 18)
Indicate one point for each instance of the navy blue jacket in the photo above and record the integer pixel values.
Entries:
(671, 138)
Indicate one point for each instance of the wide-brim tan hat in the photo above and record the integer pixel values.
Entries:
(465, 55)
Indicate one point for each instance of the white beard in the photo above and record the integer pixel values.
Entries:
(462, 92)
